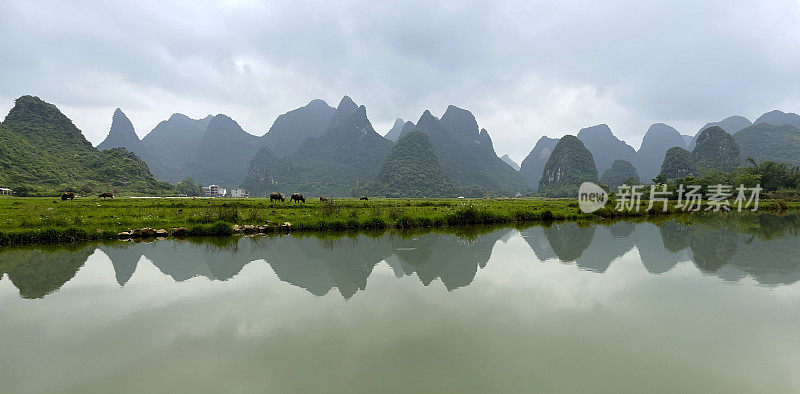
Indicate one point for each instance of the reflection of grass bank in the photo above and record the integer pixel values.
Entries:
(46, 220)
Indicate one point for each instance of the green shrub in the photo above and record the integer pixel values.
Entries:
(216, 228)
(221, 228)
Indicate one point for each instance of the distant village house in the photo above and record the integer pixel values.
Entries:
(214, 191)
(239, 193)
(5, 191)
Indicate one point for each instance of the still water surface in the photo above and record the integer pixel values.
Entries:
(711, 306)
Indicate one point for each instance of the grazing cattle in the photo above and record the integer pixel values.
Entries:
(68, 195)
(323, 199)
(276, 197)
(106, 195)
(297, 197)
(365, 198)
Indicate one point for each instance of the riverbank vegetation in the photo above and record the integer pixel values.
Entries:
(50, 220)
(777, 180)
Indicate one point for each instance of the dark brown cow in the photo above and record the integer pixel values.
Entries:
(365, 198)
(323, 199)
(297, 197)
(276, 197)
(68, 195)
(106, 195)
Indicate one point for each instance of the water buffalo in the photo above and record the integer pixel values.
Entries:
(365, 198)
(106, 195)
(276, 197)
(323, 199)
(68, 195)
(297, 197)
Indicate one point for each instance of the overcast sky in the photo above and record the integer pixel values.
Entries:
(525, 69)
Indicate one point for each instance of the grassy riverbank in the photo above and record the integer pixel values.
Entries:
(49, 220)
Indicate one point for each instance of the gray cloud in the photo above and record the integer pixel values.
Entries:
(524, 68)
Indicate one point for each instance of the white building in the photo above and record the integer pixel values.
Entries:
(239, 193)
(5, 191)
(214, 191)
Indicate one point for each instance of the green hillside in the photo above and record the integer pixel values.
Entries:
(531, 168)
(349, 154)
(620, 172)
(269, 173)
(224, 153)
(605, 146)
(658, 139)
(411, 170)
(715, 150)
(122, 135)
(172, 144)
(767, 142)
(42, 149)
(292, 128)
(678, 164)
(569, 165)
(467, 155)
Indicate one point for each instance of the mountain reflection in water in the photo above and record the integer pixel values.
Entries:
(763, 247)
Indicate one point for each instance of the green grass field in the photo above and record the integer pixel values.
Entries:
(50, 220)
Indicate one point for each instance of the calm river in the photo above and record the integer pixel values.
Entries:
(711, 305)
